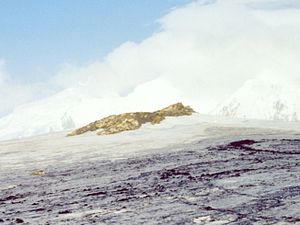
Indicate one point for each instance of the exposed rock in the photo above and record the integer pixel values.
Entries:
(38, 173)
(132, 121)
(18, 220)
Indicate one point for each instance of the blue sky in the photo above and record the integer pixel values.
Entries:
(38, 37)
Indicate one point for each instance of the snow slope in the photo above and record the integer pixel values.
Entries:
(263, 99)
(256, 99)
(172, 134)
(75, 107)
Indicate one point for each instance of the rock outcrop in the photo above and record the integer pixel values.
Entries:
(132, 121)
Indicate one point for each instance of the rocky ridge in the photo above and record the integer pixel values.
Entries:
(131, 121)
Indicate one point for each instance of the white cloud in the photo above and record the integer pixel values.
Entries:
(205, 50)
(14, 94)
(11, 95)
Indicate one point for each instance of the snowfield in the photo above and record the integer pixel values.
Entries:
(188, 170)
(38, 152)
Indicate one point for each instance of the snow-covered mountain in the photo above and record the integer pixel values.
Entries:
(75, 107)
(263, 99)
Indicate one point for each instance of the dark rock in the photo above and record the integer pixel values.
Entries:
(18, 220)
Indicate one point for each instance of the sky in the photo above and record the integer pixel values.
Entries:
(38, 37)
(70, 56)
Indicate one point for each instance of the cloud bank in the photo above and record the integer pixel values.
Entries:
(201, 55)
(207, 50)
(13, 94)
(5, 94)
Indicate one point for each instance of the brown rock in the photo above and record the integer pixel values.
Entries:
(132, 121)
(38, 173)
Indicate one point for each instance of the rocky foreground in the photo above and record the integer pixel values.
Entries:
(246, 180)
